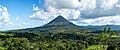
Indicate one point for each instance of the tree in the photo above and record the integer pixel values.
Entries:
(16, 44)
(105, 36)
(112, 47)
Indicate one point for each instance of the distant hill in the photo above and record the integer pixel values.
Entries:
(113, 27)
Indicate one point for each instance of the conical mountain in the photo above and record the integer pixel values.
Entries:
(59, 21)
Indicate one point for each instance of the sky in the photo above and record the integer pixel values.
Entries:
(19, 14)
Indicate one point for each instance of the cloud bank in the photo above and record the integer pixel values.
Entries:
(4, 16)
(90, 12)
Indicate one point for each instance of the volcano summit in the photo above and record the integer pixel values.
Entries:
(59, 21)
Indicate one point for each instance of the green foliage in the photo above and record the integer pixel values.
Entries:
(16, 43)
(2, 48)
(96, 47)
(58, 39)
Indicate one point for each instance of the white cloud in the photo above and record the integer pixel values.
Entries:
(35, 7)
(4, 15)
(90, 11)
(108, 4)
(68, 9)
(67, 13)
(70, 4)
(87, 4)
(53, 8)
(17, 18)
(117, 5)
(61, 4)
(102, 20)
(41, 15)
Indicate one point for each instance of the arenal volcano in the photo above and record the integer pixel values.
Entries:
(59, 21)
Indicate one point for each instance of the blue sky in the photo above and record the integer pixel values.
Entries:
(18, 14)
(19, 11)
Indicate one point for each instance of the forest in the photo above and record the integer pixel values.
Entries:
(59, 24)
(59, 39)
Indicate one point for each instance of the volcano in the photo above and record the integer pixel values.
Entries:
(59, 24)
(59, 21)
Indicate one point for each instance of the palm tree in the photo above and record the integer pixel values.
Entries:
(105, 36)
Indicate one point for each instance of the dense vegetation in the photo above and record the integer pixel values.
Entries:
(60, 39)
